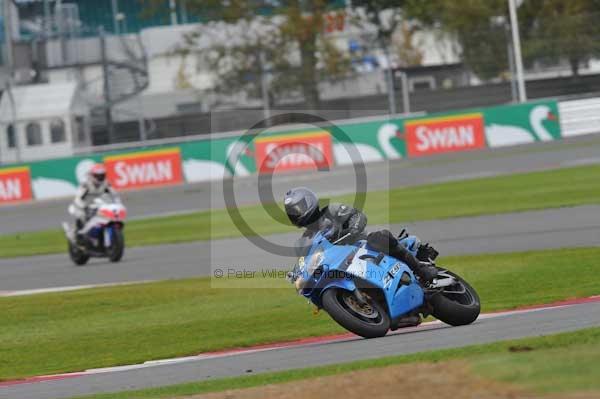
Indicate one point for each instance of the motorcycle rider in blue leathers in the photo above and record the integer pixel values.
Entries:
(302, 207)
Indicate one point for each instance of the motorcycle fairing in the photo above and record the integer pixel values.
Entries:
(394, 278)
(398, 283)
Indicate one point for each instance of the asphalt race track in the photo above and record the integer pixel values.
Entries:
(553, 228)
(380, 176)
(485, 330)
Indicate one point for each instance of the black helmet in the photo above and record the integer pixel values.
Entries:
(301, 206)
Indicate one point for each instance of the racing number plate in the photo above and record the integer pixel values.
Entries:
(389, 277)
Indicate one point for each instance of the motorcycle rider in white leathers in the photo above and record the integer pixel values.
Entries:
(94, 187)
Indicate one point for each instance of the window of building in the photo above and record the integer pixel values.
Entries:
(57, 131)
(79, 129)
(11, 137)
(422, 83)
(33, 132)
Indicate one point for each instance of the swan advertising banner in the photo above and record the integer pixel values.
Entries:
(437, 135)
(15, 185)
(371, 140)
(144, 169)
(310, 150)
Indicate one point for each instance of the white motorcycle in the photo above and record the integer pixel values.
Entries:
(102, 235)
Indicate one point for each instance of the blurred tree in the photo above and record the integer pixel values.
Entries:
(479, 27)
(286, 38)
(391, 28)
(409, 51)
(384, 15)
(551, 30)
(555, 29)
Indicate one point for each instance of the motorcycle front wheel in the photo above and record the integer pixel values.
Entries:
(117, 248)
(367, 319)
(458, 304)
(78, 256)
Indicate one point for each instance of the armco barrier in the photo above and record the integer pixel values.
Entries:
(579, 117)
(374, 140)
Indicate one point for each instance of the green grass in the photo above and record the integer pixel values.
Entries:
(539, 190)
(554, 369)
(130, 324)
(554, 363)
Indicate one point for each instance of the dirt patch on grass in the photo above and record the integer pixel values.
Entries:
(414, 381)
(409, 381)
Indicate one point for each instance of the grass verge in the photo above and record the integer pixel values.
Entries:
(131, 324)
(555, 363)
(520, 192)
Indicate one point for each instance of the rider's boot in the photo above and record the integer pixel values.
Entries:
(385, 241)
(424, 270)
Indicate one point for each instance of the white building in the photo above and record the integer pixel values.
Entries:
(42, 121)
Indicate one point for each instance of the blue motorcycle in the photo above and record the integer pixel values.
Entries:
(369, 293)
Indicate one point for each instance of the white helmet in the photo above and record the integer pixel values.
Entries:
(97, 174)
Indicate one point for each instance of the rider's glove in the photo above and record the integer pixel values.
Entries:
(356, 226)
(293, 274)
(331, 233)
(291, 277)
(354, 234)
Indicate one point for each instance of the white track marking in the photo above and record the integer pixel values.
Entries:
(69, 288)
(581, 162)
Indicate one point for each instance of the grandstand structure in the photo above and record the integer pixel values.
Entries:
(95, 44)
(136, 86)
(121, 57)
(116, 16)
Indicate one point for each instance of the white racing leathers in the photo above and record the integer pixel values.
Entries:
(86, 194)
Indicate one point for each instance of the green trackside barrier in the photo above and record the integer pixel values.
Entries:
(59, 177)
(522, 123)
(374, 140)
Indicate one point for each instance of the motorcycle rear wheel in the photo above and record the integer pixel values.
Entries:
(369, 320)
(457, 305)
(78, 256)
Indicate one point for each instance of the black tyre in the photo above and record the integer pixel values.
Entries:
(457, 305)
(78, 256)
(117, 249)
(369, 320)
